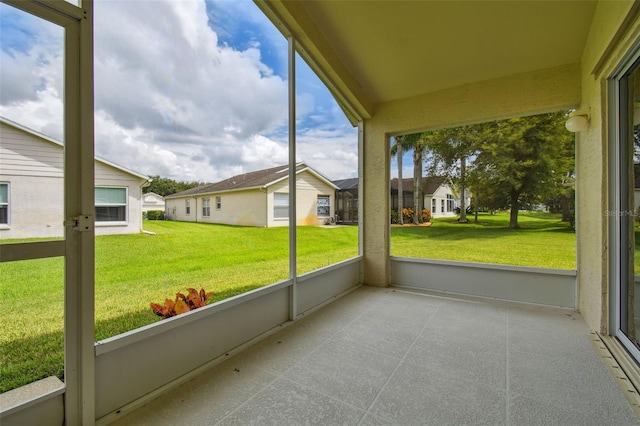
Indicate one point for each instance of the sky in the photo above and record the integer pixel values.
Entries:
(191, 90)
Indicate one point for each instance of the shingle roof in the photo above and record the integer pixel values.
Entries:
(346, 183)
(257, 179)
(429, 184)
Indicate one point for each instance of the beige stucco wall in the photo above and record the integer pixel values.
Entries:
(254, 207)
(600, 57)
(525, 94)
(308, 187)
(242, 208)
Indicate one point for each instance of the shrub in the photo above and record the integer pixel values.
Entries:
(155, 215)
(426, 215)
(182, 303)
(407, 215)
(394, 216)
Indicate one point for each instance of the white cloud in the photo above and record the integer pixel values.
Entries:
(172, 101)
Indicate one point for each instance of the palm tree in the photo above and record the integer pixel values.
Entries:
(397, 150)
(416, 141)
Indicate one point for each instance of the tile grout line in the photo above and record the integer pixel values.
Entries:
(280, 375)
(368, 409)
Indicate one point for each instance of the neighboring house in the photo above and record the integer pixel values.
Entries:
(438, 196)
(31, 188)
(259, 198)
(152, 201)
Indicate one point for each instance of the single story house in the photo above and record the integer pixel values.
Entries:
(438, 196)
(152, 201)
(32, 188)
(259, 198)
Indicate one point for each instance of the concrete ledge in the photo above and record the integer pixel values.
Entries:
(551, 287)
(39, 402)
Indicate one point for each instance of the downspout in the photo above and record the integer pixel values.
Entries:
(196, 206)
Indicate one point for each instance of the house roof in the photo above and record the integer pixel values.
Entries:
(430, 184)
(345, 184)
(251, 180)
(52, 141)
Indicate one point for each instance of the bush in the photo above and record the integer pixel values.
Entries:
(194, 299)
(154, 215)
(394, 216)
(426, 215)
(407, 215)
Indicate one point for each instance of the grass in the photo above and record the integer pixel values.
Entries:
(134, 270)
(543, 241)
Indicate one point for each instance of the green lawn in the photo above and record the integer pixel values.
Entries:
(542, 241)
(135, 270)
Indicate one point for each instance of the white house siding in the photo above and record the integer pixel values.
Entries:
(33, 168)
(440, 196)
(308, 187)
(112, 177)
(152, 201)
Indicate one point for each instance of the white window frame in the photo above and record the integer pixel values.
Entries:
(7, 205)
(280, 201)
(328, 206)
(450, 203)
(206, 207)
(125, 205)
(218, 202)
(187, 207)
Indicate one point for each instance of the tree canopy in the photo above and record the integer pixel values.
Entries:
(515, 163)
(165, 186)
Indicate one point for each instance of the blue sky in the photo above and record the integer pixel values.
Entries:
(193, 91)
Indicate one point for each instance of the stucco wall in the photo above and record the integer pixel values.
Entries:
(524, 94)
(605, 47)
(308, 187)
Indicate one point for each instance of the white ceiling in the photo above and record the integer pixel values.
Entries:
(398, 49)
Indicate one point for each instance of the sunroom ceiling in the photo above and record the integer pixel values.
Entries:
(392, 50)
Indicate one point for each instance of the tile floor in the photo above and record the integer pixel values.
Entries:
(383, 356)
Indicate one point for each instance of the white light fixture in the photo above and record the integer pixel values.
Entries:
(577, 121)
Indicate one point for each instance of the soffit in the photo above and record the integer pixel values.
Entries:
(399, 49)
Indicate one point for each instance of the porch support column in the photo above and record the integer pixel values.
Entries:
(376, 171)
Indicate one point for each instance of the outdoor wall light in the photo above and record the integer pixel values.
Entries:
(577, 121)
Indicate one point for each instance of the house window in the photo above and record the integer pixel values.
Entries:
(111, 204)
(433, 205)
(4, 203)
(218, 203)
(442, 206)
(187, 207)
(450, 203)
(206, 207)
(323, 206)
(280, 206)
